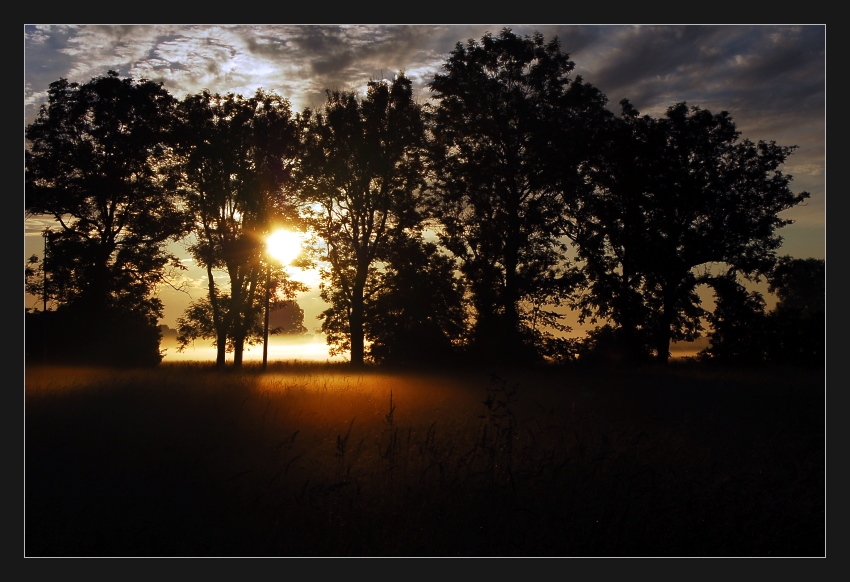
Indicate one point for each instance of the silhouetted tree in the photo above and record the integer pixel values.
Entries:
(673, 198)
(361, 172)
(72, 335)
(607, 345)
(416, 313)
(289, 317)
(740, 326)
(797, 323)
(237, 156)
(608, 229)
(199, 322)
(509, 130)
(95, 163)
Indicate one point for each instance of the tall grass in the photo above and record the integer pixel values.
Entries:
(323, 461)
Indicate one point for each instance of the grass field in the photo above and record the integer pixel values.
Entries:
(321, 460)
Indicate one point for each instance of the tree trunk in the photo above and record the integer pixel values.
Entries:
(266, 305)
(221, 346)
(512, 338)
(355, 323)
(238, 350)
(663, 338)
(238, 335)
(220, 326)
(664, 348)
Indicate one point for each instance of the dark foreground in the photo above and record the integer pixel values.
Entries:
(313, 461)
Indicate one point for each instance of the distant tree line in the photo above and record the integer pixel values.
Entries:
(460, 229)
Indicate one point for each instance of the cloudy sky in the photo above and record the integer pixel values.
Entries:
(770, 78)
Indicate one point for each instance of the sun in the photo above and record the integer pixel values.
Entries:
(284, 245)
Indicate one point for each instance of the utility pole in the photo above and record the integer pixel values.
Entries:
(46, 235)
(266, 317)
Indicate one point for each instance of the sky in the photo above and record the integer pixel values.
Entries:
(770, 78)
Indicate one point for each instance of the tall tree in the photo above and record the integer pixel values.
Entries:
(509, 130)
(237, 158)
(673, 198)
(416, 314)
(610, 228)
(95, 163)
(361, 171)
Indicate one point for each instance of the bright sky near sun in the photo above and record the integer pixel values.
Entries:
(284, 245)
(770, 78)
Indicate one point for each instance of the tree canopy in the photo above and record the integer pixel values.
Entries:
(237, 155)
(96, 163)
(672, 196)
(508, 134)
(361, 172)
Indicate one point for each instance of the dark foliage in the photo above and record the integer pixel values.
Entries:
(614, 346)
(672, 195)
(110, 338)
(236, 156)
(416, 314)
(96, 163)
(741, 330)
(362, 170)
(798, 322)
(509, 131)
(792, 333)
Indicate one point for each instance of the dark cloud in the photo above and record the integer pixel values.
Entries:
(770, 78)
(324, 48)
(268, 45)
(44, 57)
(651, 65)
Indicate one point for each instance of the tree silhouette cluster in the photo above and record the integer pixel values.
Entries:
(461, 228)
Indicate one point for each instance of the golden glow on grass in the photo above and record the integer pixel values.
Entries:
(377, 462)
